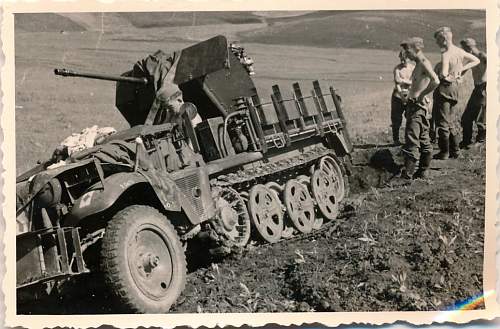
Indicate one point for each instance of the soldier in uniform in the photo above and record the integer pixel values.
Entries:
(417, 141)
(454, 62)
(475, 110)
(399, 99)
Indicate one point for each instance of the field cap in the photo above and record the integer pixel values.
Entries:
(468, 42)
(415, 42)
(442, 31)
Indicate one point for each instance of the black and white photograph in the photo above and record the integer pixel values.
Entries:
(254, 161)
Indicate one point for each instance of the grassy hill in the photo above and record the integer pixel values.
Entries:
(338, 29)
(52, 22)
(368, 29)
(171, 19)
(45, 22)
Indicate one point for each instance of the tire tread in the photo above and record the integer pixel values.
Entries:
(111, 255)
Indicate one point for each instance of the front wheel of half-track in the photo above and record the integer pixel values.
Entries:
(142, 260)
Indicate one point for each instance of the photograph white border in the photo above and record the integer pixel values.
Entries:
(237, 319)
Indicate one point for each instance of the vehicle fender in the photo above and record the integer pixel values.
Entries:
(100, 197)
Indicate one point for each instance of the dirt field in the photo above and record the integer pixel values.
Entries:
(416, 246)
(395, 247)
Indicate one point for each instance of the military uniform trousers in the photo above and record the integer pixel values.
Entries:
(417, 140)
(445, 120)
(398, 108)
(475, 111)
(435, 102)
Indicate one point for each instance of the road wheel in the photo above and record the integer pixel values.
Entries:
(332, 168)
(233, 220)
(266, 214)
(142, 260)
(322, 188)
(299, 206)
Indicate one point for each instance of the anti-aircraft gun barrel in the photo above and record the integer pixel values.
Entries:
(71, 73)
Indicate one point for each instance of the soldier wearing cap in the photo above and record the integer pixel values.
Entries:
(454, 61)
(475, 111)
(399, 99)
(423, 81)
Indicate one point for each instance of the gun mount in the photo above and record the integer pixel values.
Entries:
(98, 76)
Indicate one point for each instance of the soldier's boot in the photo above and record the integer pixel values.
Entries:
(481, 136)
(395, 136)
(465, 145)
(466, 137)
(409, 168)
(454, 149)
(423, 166)
(444, 147)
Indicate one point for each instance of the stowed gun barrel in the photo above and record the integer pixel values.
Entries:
(70, 73)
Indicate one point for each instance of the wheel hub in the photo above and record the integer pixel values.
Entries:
(229, 218)
(149, 263)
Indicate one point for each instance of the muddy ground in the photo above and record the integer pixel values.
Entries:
(397, 245)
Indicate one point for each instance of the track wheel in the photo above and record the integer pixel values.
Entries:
(233, 221)
(330, 166)
(299, 206)
(142, 260)
(324, 194)
(266, 213)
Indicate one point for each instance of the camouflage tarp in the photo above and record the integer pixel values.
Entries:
(154, 102)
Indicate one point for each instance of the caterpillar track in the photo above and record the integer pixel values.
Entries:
(273, 202)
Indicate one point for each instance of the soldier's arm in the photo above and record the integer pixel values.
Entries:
(397, 78)
(470, 61)
(434, 79)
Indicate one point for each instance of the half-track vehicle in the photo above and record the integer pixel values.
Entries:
(205, 158)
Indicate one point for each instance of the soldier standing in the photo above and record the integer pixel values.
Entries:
(454, 61)
(476, 106)
(399, 99)
(424, 81)
(435, 96)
